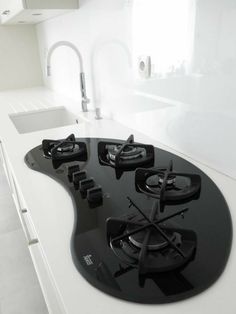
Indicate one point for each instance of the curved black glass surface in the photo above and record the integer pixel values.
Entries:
(204, 222)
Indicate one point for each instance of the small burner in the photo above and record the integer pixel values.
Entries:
(128, 155)
(67, 147)
(157, 180)
(128, 152)
(163, 183)
(63, 150)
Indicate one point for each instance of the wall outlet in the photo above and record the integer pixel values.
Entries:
(144, 66)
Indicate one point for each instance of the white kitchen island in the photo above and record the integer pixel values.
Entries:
(46, 211)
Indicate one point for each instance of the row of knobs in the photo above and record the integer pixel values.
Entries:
(85, 185)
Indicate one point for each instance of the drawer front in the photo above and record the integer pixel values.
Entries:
(24, 216)
(50, 292)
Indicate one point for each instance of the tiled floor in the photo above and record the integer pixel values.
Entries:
(20, 292)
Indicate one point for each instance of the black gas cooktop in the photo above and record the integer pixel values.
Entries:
(149, 227)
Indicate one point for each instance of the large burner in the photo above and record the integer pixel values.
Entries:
(156, 241)
(152, 244)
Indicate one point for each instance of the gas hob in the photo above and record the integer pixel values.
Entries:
(150, 227)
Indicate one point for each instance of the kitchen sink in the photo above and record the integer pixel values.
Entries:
(31, 121)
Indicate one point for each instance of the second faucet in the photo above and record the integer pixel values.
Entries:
(85, 99)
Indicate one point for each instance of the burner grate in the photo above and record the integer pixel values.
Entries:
(167, 185)
(179, 250)
(66, 149)
(127, 155)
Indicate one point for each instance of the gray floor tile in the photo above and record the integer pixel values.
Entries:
(16, 268)
(4, 187)
(24, 302)
(9, 220)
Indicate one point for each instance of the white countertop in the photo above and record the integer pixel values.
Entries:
(51, 210)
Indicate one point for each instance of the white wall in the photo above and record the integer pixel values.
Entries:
(100, 29)
(199, 76)
(19, 57)
(208, 81)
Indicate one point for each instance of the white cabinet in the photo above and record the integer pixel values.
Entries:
(33, 11)
(49, 289)
(4, 164)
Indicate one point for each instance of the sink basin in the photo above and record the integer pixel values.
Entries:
(31, 121)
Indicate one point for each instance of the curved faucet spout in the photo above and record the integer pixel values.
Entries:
(85, 99)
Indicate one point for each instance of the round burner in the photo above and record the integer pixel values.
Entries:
(128, 153)
(156, 241)
(67, 147)
(170, 180)
(156, 180)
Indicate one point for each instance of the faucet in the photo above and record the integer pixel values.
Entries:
(85, 99)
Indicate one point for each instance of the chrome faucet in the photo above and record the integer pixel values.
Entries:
(85, 99)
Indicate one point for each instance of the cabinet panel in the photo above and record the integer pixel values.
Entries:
(12, 5)
(52, 4)
(33, 11)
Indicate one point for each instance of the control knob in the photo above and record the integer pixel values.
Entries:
(79, 176)
(86, 184)
(94, 195)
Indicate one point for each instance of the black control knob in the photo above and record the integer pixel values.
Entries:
(79, 176)
(71, 169)
(86, 184)
(94, 195)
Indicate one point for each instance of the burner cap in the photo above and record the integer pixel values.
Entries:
(65, 150)
(66, 147)
(156, 241)
(157, 180)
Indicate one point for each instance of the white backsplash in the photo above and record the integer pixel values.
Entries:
(100, 30)
(193, 51)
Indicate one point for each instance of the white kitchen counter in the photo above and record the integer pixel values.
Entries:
(52, 213)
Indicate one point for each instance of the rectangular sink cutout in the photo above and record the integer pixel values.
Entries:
(27, 122)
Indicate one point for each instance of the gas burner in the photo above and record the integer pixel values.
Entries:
(150, 243)
(127, 155)
(63, 150)
(166, 185)
(156, 241)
